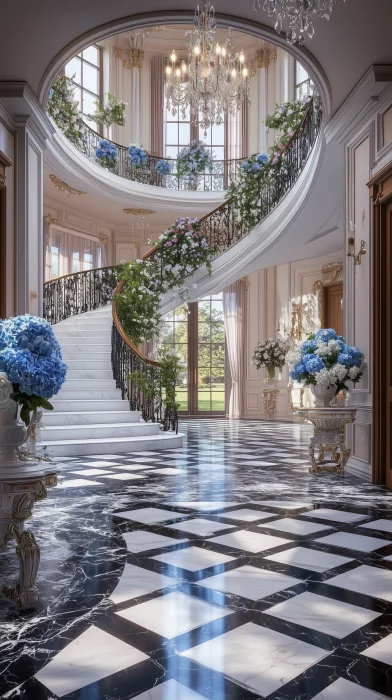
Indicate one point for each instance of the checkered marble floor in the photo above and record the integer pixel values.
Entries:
(222, 570)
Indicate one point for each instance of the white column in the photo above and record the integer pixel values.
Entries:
(263, 108)
(136, 105)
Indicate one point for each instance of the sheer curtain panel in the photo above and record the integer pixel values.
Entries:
(235, 314)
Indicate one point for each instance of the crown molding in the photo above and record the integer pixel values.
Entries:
(360, 105)
(25, 110)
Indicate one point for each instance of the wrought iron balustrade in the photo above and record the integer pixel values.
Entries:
(77, 293)
(214, 179)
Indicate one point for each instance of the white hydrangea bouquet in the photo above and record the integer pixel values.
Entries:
(325, 361)
(270, 354)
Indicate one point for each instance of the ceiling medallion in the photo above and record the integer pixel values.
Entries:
(214, 79)
(62, 186)
(300, 16)
(138, 212)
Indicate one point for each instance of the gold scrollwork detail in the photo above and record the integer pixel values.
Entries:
(62, 186)
(131, 58)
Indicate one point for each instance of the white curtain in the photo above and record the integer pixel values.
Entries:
(234, 313)
(67, 252)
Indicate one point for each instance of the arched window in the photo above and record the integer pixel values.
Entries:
(85, 69)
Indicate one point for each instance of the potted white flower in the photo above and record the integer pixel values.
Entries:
(270, 354)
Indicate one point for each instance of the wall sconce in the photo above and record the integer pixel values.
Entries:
(351, 247)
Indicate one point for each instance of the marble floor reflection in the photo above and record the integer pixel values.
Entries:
(223, 570)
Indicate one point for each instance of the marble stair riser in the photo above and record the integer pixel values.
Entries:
(82, 346)
(137, 444)
(91, 432)
(89, 404)
(88, 364)
(79, 322)
(92, 417)
(87, 334)
(88, 385)
(96, 395)
(85, 356)
(93, 374)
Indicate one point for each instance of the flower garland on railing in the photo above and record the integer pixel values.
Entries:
(30, 357)
(164, 391)
(179, 252)
(107, 154)
(163, 167)
(260, 169)
(137, 155)
(64, 109)
(113, 112)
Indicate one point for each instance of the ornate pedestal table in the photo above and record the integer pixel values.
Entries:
(329, 440)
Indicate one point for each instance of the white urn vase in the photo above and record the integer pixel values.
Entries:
(13, 433)
(323, 395)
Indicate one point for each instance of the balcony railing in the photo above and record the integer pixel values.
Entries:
(214, 179)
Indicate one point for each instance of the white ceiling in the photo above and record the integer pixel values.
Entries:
(32, 34)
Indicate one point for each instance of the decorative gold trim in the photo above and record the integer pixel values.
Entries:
(296, 322)
(49, 219)
(131, 58)
(104, 238)
(269, 400)
(336, 270)
(62, 186)
(138, 212)
(265, 56)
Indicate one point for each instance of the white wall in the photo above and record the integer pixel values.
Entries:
(271, 293)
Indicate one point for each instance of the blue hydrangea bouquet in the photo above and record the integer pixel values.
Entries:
(163, 167)
(107, 154)
(30, 356)
(194, 159)
(137, 155)
(325, 360)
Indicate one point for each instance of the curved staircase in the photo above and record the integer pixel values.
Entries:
(90, 416)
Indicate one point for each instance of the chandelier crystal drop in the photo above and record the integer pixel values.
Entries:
(300, 15)
(214, 79)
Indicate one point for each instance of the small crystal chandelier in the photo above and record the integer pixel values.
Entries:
(214, 80)
(300, 14)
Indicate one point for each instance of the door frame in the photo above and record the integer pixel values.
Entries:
(5, 162)
(380, 190)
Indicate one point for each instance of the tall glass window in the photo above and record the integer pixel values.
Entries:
(177, 132)
(211, 355)
(85, 71)
(175, 335)
(303, 83)
(215, 140)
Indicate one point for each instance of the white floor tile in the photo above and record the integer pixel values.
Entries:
(76, 483)
(309, 559)
(148, 516)
(295, 527)
(103, 463)
(250, 582)
(135, 582)
(346, 690)
(194, 558)
(323, 614)
(381, 651)
(250, 541)
(248, 515)
(292, 460)
(142, 541)
(173, 614)
(133, 467)
(171, 690)
(168, 471)
(123, 476)
(382, 525)
(150, 459)
(204, 505)
(91, 472)
(338, 516)
(286, 505)
(91, 656)
(257, 463)
(369, 580)
(260, 658)
(360, 543)
(200, 527)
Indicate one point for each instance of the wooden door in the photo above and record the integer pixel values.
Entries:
(333, 311)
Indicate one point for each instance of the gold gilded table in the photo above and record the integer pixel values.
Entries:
(329, 437)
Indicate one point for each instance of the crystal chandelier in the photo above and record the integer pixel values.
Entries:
(215, 79)
(300, 14)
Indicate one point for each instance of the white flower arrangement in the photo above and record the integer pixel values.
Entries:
(270, 354)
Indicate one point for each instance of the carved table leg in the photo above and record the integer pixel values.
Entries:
(24, 593)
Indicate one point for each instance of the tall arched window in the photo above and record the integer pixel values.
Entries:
(85, 69)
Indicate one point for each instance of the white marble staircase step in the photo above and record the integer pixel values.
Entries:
(89, 404)
(62, 334)
(92, 364)
(91, 417)
(88, 385)
(85, 322)
(96, 374)
(82, 346)
(71, 448)
(68, 356)
(96, 394)
(98, 430)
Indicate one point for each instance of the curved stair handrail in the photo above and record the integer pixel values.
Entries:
(216, 179)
